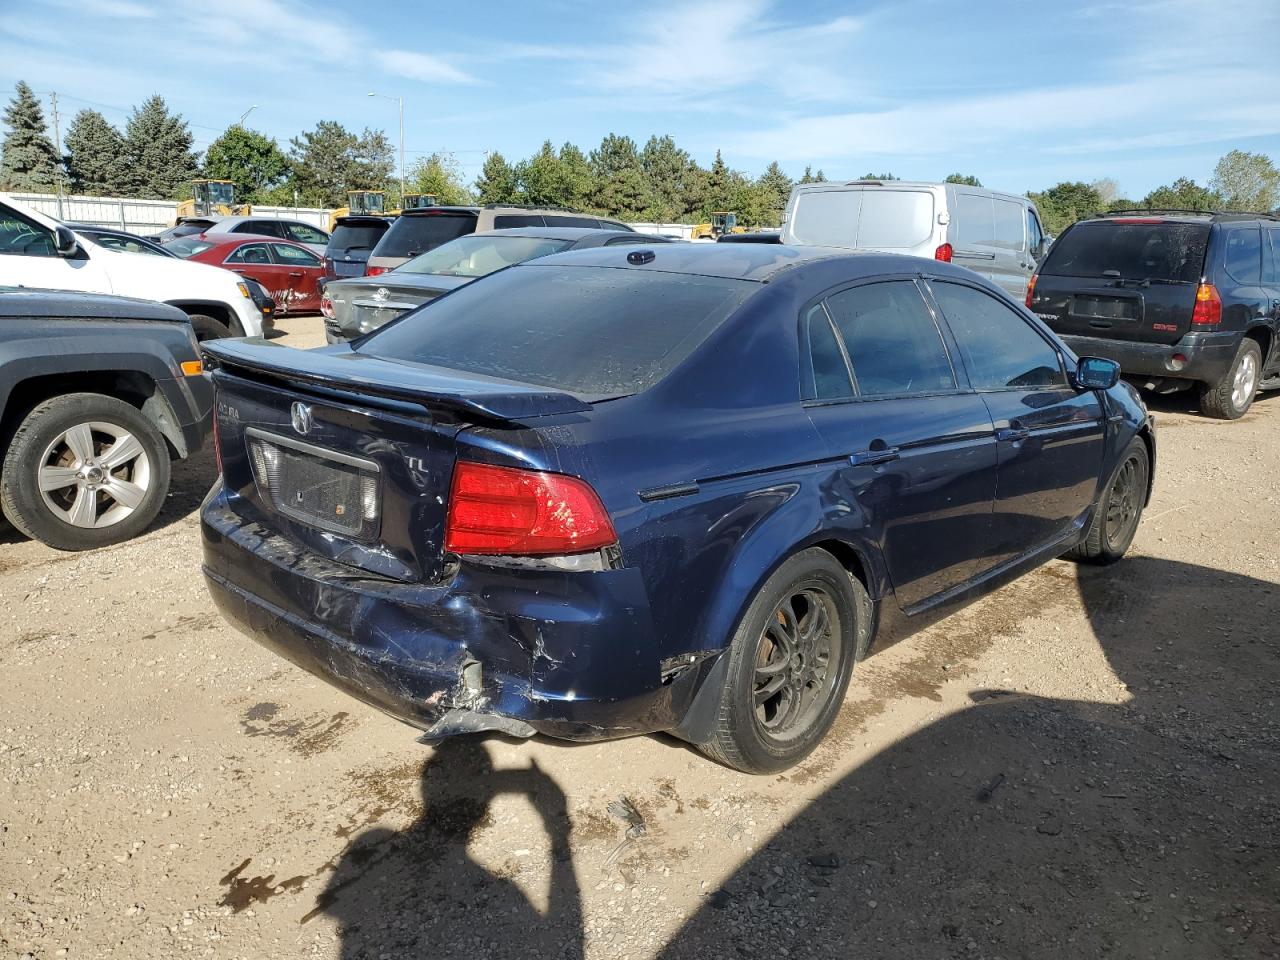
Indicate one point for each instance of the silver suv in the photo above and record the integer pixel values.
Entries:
(417, 231)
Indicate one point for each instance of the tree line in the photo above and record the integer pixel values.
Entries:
(154, 157)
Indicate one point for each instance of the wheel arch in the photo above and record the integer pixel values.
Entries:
(221, 312)
(1265, 339)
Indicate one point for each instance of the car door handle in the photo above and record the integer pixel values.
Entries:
(866, 457)
(1012, 434)
(295, 273)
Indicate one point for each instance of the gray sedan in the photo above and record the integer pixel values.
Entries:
(355, 307)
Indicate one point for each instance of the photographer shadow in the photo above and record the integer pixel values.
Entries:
(1025, 826)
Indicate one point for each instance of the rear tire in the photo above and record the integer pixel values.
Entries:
(84, 470)
(1231, 397)
(790, 663)
(1118, 510)
(208, 328)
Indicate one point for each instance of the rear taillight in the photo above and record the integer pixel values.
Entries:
(504, 510)
(374, 271)
(1208, 308)
(326, 306)
(943, 253)
(1031, 290)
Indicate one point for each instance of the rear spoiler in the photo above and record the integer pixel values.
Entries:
(341, 368)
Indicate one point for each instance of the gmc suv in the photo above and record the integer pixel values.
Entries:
(1180, 299)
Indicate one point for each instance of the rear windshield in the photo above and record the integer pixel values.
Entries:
(412, 235)
(1133, 251)
(874, 218)
(597, 331)
(189, 246)
(362, 236)
(474, 256)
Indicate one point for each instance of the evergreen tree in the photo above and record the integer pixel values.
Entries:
(249, 159)
(1065, 203)
(1183, 194)
(672, 179)
(967, 180)
(620, 187)
(439, 175)
(575, 171)
(95, 155)
(869, 176)
(158, 158)
(322, 164)
(774, 187)
(373, 163)
(555, 179)
(718, 185)
(497, 182)
(28, 158)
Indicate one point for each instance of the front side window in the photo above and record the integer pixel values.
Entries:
(20, 237)
(1244, 255)
(893, 344)
(999, 346)
(250, 253)
(294, 256)
(1010, 224)
(112, 241)
(1034, 234)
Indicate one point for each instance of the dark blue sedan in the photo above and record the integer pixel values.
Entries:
(616, 491)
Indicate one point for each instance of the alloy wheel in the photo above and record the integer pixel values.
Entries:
(1124, 503)
(796, 662)
(94, 474)
(1245, 383)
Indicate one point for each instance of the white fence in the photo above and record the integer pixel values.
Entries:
(143, 216)
(682, 230)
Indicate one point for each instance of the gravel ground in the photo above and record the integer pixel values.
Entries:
(1084, 764)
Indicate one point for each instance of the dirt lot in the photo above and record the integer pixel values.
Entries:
(1086, 764)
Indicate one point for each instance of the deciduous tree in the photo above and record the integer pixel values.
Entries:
(250, 160)
(1247, 181)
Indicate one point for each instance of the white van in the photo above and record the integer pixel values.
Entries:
(36, 251)
(995, 234)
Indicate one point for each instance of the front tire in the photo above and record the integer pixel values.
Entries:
(84, 470)
(790, 663)
(209, 328)
(1231, 397)
(1119, 509)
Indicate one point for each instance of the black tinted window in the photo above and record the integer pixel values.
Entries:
(1271, 258)
(303, 233)
(1243, 254)
(999, 347)
(410, 236)
(559, 220)
(830, 375)
(594, 331)
(364, 236)
(1134, 250)
(616, 225)
(891, 339)
(265, 228)
(510, 220)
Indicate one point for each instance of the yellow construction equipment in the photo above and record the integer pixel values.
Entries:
(210, 198)
(418, 201)
(362, 202)
(722, 222)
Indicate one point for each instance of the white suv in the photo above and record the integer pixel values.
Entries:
(36, 251)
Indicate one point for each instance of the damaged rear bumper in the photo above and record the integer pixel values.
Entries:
(518, 651)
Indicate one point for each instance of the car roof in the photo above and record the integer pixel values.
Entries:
(760, 262)
(363, 218)
(237, 239)
(828, 185)
(558, 233)
(1177, 216)
(221, 222)
(436, 210)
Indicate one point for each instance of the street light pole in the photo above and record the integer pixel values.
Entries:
(400, 101)
(240, 122)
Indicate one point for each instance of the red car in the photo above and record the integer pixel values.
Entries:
(287, 270)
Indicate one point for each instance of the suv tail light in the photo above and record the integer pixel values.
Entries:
(1031, 292)
(1208, 308)
(505, 510)
(374, 271)
(943, 253)
(326, 306)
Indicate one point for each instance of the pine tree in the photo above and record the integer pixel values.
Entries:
(718, 186)
(673, 180)
(774, 187)
(620, 187)
(95, 151)
(159, 162)
(497, 182)
(29, 160)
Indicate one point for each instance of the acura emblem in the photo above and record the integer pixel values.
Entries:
(300, 417)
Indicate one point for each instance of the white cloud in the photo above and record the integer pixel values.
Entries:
(421, 66)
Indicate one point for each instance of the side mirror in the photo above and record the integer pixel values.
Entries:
(1096, 373)
(64, 242)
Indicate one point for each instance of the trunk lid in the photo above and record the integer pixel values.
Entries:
(1120, 278)
(352, 456)
(365, 305)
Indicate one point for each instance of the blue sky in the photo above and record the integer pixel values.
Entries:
(1021, 94)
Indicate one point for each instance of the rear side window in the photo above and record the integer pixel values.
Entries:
(508, 221)
(593, 331)
(830, 374)
(410, 236)
(250, 253)
(616, 225)
(303, 233)
(356, 237)
(892, 342)
(558, 220)
(294, 256)
(266, 228)
(1243, 254)
(1271, 258)
(1134, 250)
(1000, 349)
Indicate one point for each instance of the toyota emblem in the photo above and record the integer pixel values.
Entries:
(300, 417)
(382, 293)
